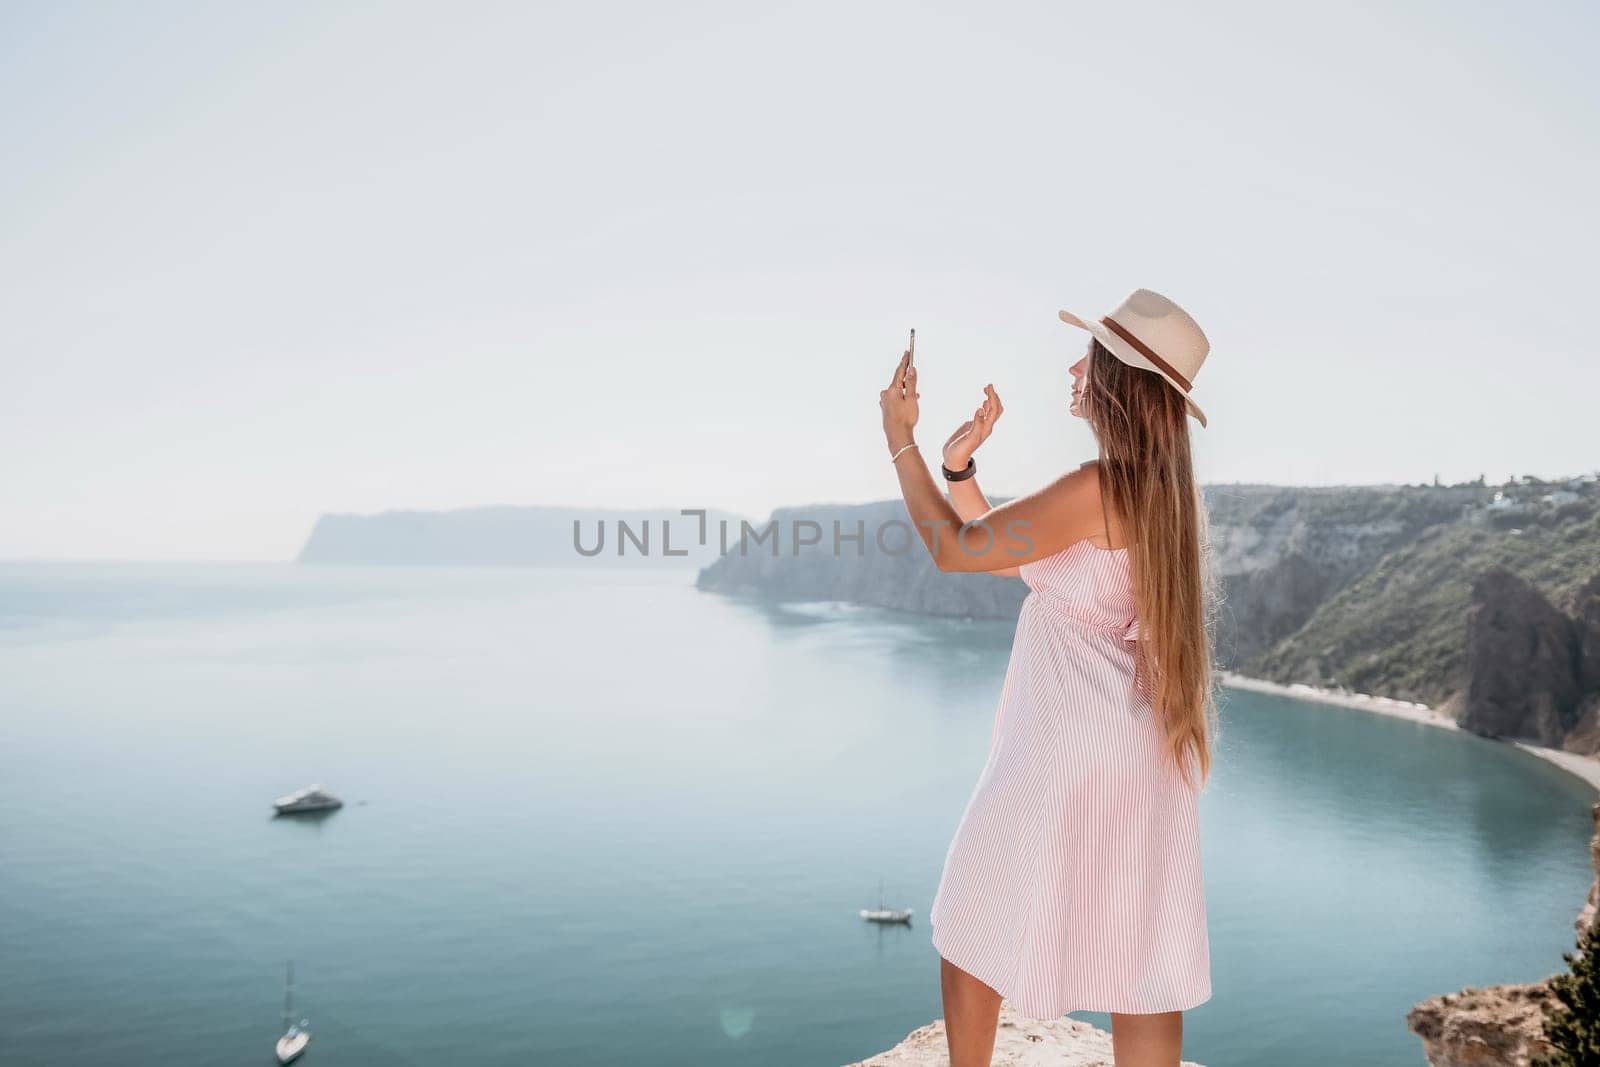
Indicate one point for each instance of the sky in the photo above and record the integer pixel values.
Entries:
(261, 262)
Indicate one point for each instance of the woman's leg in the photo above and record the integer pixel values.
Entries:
(1154, 1040)
(971, 1014)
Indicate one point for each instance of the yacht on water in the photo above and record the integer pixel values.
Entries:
(881, 914)
(311, 798)
(295, 1035)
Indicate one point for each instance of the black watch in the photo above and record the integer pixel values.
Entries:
(961, 475)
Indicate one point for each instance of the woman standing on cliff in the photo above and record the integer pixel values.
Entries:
(1073, 882)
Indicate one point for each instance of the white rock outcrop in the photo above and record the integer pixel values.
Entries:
(1019, 1042)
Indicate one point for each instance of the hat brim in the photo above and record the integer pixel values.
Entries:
(1130, 355)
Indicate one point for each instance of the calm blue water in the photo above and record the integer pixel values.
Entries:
(597, 817)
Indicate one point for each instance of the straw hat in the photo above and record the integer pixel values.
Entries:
(1151, 332)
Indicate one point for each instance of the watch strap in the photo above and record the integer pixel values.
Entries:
(961, 475)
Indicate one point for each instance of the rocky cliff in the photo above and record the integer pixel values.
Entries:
(1533, 672)
(1397, 625)
(1501, 1025)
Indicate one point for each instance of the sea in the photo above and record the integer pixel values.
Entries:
(599, 817)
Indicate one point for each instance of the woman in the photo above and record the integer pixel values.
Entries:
(1073, 881)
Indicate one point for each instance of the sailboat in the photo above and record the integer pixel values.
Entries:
(295, 1036)
(881, 914)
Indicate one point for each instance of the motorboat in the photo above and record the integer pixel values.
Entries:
(311, 798)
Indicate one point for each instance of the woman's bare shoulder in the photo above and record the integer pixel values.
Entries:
(1069, 506)
(1107, 517)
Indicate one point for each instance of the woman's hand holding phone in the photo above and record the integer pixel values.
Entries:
(899, 404)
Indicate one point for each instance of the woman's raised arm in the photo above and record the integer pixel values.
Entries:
(1019, 531)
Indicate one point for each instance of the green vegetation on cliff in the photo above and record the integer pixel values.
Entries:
(1399, 628)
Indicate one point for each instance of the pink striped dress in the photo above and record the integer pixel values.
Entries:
(1074, 879)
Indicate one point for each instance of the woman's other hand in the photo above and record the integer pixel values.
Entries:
(974, 432)
(899, 403)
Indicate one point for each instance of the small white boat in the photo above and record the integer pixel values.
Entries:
(292, 1044)
(887, 915)
(295, 1035)
(311, 798)
(881, 914)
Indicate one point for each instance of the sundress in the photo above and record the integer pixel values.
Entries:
(1074, 880)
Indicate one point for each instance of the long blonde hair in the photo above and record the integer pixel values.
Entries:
(1147, 480)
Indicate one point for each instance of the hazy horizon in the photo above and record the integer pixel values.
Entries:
(266, 263)
(603, 510)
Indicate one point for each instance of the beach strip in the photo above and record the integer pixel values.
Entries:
(1585, 767)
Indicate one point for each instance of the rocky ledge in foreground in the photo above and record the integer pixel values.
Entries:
(1500, 1025)
(1019, 1042)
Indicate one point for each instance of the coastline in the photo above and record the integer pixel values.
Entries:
(1585, 767)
